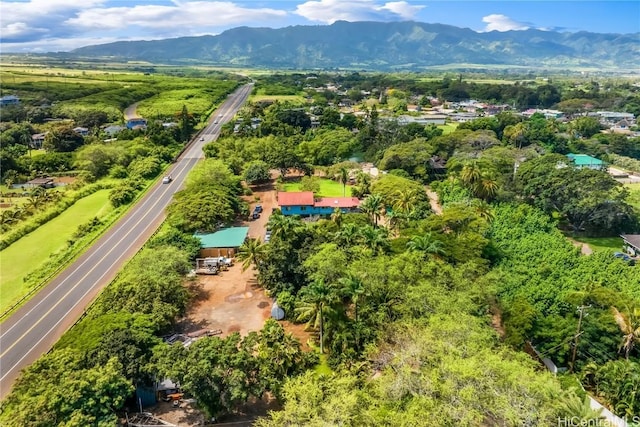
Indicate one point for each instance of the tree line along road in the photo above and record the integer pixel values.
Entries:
(36, 326)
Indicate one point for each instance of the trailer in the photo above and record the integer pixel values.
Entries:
(207, 265)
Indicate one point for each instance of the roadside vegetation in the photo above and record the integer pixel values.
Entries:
(416, 317)
(117, 166)
(32, 257)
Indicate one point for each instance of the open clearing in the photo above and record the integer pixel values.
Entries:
(601, 243)
(328, 188)
(232, 301)
(33, 250)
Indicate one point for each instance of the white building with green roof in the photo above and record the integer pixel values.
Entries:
(224, 242)
(585, 161)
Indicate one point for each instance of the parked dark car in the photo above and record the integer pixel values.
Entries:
(622, 256)
(258, 209)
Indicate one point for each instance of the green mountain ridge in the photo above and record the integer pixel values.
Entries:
(381, 46)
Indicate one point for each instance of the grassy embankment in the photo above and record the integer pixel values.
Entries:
(33, 250)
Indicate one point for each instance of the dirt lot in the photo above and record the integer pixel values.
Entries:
(231, 301)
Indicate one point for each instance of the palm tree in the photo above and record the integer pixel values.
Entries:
(251, 253)
(336, 216)
(8, 182)
(394, 219)
(405, 201)
(487, 187)
(374, 238)
(343, 177)
(353, 288)
(10, 216)
(471, 175)
(483, 209)
(348, 234)
(317, 299)
(580, 409)
(363, 181)
(373, 206)
(34, 202)
(427, 244)
(284, 227)
(629, 324)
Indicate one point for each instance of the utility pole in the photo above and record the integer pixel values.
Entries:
(581, 310)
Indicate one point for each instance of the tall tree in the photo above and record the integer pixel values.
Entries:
(426, 244)
(373, 206)
(317, 299)
(251, 253)
(186, 124)
(284, 227)
(353, 288)
(343, 177)
(629, 324)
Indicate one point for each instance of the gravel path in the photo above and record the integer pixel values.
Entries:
(130, 112)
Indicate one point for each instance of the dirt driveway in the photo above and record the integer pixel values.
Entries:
(232, 301)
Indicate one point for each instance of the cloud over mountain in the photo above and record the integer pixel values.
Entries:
(330, 11)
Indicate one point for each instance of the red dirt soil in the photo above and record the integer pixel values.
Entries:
(231, 301)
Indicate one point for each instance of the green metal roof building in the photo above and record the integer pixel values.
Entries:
(586, 161)
(232, 237)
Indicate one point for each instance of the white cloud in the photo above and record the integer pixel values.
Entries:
(182, 16)
(329, 11)
(56, 44)
(498, 22)
(67, 24)
(403, 9)
(34, 19)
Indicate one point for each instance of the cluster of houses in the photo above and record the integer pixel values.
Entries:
(224, 243)
(471, 109)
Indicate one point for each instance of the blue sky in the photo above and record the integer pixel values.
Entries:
(61, 25)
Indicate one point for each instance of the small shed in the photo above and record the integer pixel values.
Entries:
(41, 182)
(222, 243)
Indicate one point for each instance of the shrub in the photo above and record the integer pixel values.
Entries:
(146, 168)
(123, 194)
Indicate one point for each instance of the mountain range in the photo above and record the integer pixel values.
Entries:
(381, 46)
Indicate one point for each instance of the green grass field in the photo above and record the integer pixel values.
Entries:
(448, 128)
(296, 99)
(328, 188)
(33, 250)
(634, 195)
(602, 243)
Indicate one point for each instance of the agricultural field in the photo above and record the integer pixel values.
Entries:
(296, 99)
(162, 95)
(33, 250)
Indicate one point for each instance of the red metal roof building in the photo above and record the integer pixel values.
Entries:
(337, 202)
(298, 198)
(303, 203)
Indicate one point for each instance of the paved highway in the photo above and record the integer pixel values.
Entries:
(34, 328)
